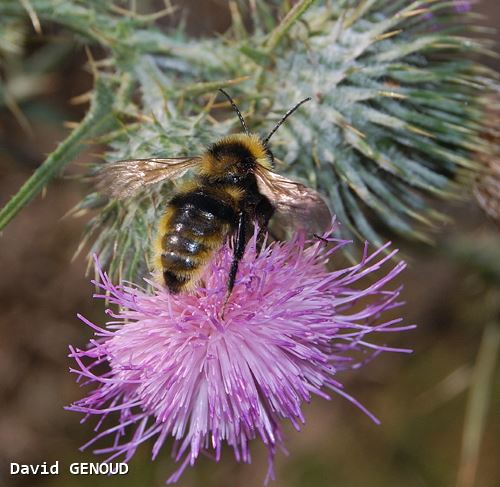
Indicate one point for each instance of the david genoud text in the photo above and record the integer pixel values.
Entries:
(74, 468)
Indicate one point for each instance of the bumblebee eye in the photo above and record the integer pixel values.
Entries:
(268, 152)
(271, 156)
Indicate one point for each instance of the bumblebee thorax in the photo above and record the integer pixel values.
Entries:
(235, 154)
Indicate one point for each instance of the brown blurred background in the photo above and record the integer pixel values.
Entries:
(421, 399)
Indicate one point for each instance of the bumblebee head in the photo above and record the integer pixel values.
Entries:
(258, 147)
(237, 155)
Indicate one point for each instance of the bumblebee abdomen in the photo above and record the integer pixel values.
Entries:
(180, 244)
(193, 227)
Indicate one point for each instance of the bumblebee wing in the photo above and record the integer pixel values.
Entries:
(296, 204)
(122, 179)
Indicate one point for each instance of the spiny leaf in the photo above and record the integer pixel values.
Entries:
(98, 119)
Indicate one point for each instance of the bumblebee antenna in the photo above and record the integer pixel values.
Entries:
(285, 116)
(236, 109)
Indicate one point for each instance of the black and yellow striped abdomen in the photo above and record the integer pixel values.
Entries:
(194, 225)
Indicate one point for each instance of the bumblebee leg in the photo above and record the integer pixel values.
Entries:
(264, 211)
(315, 235)
(239, 249)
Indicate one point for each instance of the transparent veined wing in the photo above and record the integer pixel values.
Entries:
(123, 179)
(297, 205)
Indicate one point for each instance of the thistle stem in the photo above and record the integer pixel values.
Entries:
(477, 405)
(97, 119)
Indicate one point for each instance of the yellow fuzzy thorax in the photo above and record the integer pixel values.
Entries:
(251, 142)
(254, 144)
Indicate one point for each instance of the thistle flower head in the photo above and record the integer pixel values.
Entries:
(177, 368)
(487, 187)
(396, 121)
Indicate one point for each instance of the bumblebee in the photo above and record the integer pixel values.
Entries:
(233, 188)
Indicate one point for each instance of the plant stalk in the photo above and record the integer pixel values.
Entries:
(96, 121)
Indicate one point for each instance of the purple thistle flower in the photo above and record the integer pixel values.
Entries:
(462, 6)
(459, 6)
(177, 368)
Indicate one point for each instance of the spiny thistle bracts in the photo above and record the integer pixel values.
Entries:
(396, 119)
